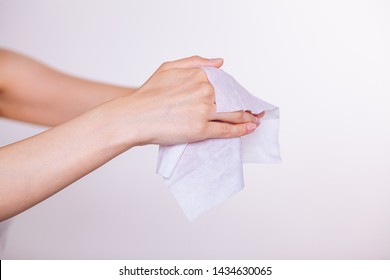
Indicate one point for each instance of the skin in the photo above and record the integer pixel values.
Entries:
(94, 122)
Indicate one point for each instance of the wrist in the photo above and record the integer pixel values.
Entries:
(116, 124)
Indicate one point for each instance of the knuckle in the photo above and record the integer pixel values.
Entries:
(207, 89)
(199, 128)
(199, 74)
(204, 110)
(165, 65)
(226, 130)
(241, 116)
(195, 58)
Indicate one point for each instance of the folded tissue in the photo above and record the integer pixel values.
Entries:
(203, 174)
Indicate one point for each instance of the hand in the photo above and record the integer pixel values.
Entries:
(177, 105)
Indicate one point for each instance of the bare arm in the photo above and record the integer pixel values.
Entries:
(176, 105)
(33, 92)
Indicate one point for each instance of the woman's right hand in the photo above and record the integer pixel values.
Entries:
(177, 105)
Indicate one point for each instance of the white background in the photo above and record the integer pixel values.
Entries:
(326, 64)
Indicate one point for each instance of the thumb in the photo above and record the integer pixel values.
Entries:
(191, 62)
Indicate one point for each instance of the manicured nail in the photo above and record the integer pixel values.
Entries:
(215, 60)
(251, 126)
(261, 114)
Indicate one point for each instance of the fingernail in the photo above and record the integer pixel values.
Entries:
(251, 126)
(215, 60)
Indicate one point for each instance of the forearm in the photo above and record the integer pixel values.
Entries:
(36, 168)
(176, 105)
(33, 92)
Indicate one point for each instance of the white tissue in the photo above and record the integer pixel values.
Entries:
(203, 174)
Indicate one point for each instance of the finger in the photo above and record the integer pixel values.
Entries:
(227, 130)
(191, 62)
(236, 117)
(260, 115)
